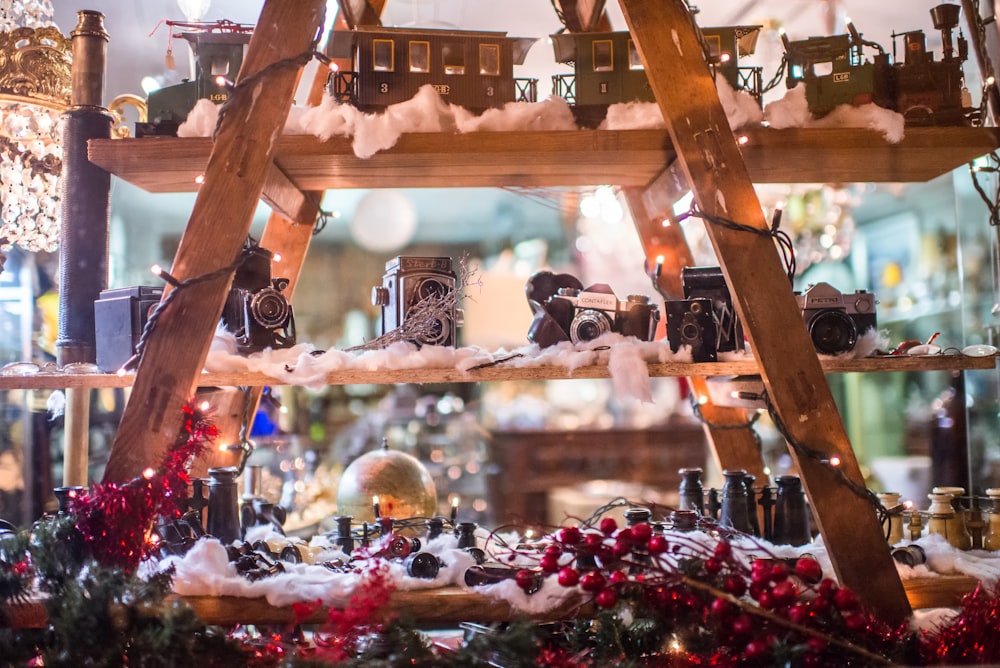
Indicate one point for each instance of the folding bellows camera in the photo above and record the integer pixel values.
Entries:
(256, 312)
(705, 319)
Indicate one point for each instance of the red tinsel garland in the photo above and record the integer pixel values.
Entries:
(972, 637)
(115, 519)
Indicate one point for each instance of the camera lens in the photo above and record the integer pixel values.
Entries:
(431, 288)
(690, 330)
(832, 332)
(588, 325)
(269, 308)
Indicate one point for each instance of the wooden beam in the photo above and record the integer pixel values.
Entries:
(668, 42)
(286, 199)
(361, 12)
(733, 442)
(234, 178)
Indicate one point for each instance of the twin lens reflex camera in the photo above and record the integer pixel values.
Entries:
(425, 282)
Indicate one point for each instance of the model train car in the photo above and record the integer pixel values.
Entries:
(835, 71)
(607, 68)
(472, 69)
(217, 55)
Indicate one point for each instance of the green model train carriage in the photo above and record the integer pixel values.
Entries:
(472, 69)
(607, 68)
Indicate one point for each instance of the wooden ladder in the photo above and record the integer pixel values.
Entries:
(709, 161)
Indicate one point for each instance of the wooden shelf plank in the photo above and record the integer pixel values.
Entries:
(553, 159)
(888, 364)
(452, 605)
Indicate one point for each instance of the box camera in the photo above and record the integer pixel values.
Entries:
(119, 318)
(836, 320)
(705, 319)
(407, 282)
(255, 311)
(565, 311)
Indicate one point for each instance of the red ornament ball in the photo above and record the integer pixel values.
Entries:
(799, 613)
(721, 607)
(525, 579)
(569, 535)
(723, 549)
(592, 581)
(657, 545)
(618, 577)
(568, 576)
(549, 563)
(608, 526)
(845, 600)
(742, 625)
(606, 598)
(808, 569)
(784, 592)
(735, 585)
(756, 649)
(641, 533)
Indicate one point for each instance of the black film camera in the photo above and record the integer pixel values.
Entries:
(256, 312)
(410, 281)
(119, 318)
(705, 319)
(836, 320)
(565, 311)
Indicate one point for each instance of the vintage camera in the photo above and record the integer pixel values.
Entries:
(836, 320)
(255, 311)
(565, 311)
(407, 282)
(119, 318)
(705, 319)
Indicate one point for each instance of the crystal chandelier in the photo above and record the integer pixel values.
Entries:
(34, 91)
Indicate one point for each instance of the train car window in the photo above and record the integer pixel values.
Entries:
(489, 59)
(420, 56)
(453, 57)
(634, 61)
(603, 53)
(383, 56)
(714, 43)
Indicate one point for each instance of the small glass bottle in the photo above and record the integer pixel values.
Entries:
(692, 494)
(733, 513)
(958, 531)
(223, 521)
(637, 515)
(992, 539)
(684, 520)
(791, 514)
(890, 500)
(748, 481)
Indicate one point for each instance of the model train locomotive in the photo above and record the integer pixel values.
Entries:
(835, 71)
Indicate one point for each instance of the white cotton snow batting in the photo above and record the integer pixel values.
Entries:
(201, 120)
(630, 373)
